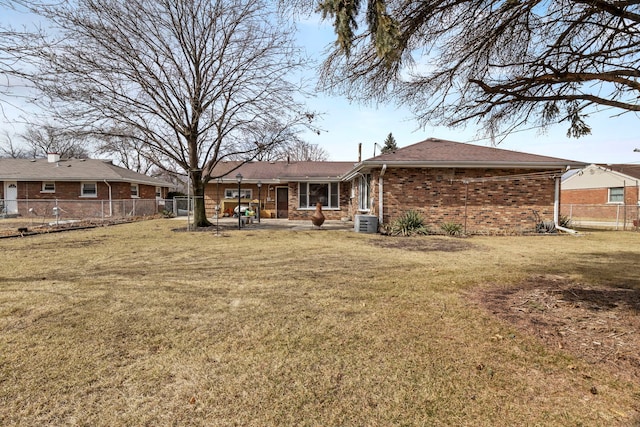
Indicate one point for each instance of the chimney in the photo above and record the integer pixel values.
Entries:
(359, 152)
(53, 157)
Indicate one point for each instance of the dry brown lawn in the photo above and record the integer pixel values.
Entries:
(141, 325)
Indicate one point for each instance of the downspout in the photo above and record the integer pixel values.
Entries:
(556, 209)
(380, 192)
(110, 201)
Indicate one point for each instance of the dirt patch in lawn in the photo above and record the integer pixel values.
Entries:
(18, 228)
(426, 244)
(598, 324)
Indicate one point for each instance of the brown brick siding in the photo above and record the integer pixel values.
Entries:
(442, 197)
(67, 198)
(594, 196)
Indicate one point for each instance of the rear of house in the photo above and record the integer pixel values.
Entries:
(484, 189)
(76, 188)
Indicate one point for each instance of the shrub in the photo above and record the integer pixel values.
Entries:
(410, 223)
(451, 228)
(564, 221)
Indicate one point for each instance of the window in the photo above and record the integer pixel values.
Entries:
(48, 187)
(364, 196)
(158, 192)
(232, 193)
(312, 193)
(616, 195)
(89, 189)
(135, 191)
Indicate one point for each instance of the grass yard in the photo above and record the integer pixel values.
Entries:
(141, 325)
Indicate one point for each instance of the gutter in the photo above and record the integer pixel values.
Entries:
(110, 201)
(380, 194)
(556, 210)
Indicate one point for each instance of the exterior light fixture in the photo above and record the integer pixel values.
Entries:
(259, 187)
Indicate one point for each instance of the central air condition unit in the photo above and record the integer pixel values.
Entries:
(366, 224)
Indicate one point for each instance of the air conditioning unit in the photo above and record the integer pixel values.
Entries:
(366, 224)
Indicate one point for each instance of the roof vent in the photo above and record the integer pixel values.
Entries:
(53, 157)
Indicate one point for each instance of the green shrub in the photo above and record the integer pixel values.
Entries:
(410, 223)
(451, 228)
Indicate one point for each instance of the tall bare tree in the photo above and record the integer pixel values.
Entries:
(502, 63)
(47, 138)
(189, 77)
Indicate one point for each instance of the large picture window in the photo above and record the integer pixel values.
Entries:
(313, 192)
(616, 195)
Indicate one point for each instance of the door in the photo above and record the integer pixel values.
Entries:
(11, 197)
(282, 202)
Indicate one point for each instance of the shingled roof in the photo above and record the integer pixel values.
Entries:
(442, 153)
(72, 170)
(631, 170)
(281, 171)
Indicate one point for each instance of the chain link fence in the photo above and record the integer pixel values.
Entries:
(610, 216)
(80, 210)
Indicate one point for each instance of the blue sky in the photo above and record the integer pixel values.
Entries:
(346, 125)
(613, 139)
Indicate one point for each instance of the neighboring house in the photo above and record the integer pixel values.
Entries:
(603, 192)
(79, 187)
(484, 189)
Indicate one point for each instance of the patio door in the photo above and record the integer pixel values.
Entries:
(11, 197)
(282, 202)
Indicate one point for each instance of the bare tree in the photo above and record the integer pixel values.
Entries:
(47, 138)
(190, 77)
(9, 149)
(299, 151)
(15, 44)
(502, 63)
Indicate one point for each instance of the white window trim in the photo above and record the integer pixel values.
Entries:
(364, 183)
(324, 207)
(158, 192)
(609, 201)
(137, 187)
(243, 193)
(92, 196)
(43, 190)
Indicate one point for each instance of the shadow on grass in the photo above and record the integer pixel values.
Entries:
(617, 269)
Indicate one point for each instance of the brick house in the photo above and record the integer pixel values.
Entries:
(284, 189)
(484, 189)
(80, 187)
(603, 192)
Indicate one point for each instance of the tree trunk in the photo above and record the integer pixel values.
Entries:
(199, 213)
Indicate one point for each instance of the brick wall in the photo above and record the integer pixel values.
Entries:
(593, 204)
(33, 201)
(489, 206)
